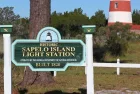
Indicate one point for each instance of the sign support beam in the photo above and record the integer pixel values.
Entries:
(89, 60)
(88, 30)
(6, 30)
(7, 64)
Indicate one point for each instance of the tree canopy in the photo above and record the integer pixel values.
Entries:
(136, 16)
(7, 16)
(69, 23)
(98, 19)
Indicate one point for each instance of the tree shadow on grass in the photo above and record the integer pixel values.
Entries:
(82, 90)
(59, 92)
(22, 91)
(25, 91)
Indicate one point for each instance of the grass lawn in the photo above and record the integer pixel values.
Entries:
(74, 78)
(132, 55)
(1, 43)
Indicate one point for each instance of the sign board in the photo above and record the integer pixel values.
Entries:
(5, 29)
(48, 52)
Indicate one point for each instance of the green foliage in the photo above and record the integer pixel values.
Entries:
(20, 25)
(117, 42)
(80, 36)
(69, 23)
(98, 19)
(21, 28)
(7, 16)
(100, 37)
(136, 16)
(133, 36)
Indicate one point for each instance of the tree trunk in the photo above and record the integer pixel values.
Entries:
(39, 18)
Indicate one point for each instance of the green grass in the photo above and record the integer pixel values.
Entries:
(106, 78)
(73, 79)
(132, 55)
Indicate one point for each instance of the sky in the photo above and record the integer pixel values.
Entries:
(89, 7)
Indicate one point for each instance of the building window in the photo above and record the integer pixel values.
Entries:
(116, 5)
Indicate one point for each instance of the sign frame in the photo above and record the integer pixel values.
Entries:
(38, 41)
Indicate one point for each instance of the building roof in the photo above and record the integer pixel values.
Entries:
(135, 27)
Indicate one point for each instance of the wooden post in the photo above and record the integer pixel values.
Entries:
(6, 30)
(85, 68)
(118, 68)
(7, 64)
(54, 73)
(89, 29)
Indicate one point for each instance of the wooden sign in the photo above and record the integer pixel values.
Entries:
(48, 52)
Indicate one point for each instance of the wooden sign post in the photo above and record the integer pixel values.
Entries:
(6, 30)
(88, 30)
(48, 53)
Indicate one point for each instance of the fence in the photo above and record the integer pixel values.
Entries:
(117, 65)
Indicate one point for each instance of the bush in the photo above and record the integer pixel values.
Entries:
(117, 46)
(117, 43)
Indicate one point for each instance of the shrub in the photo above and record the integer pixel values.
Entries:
(117, 43)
